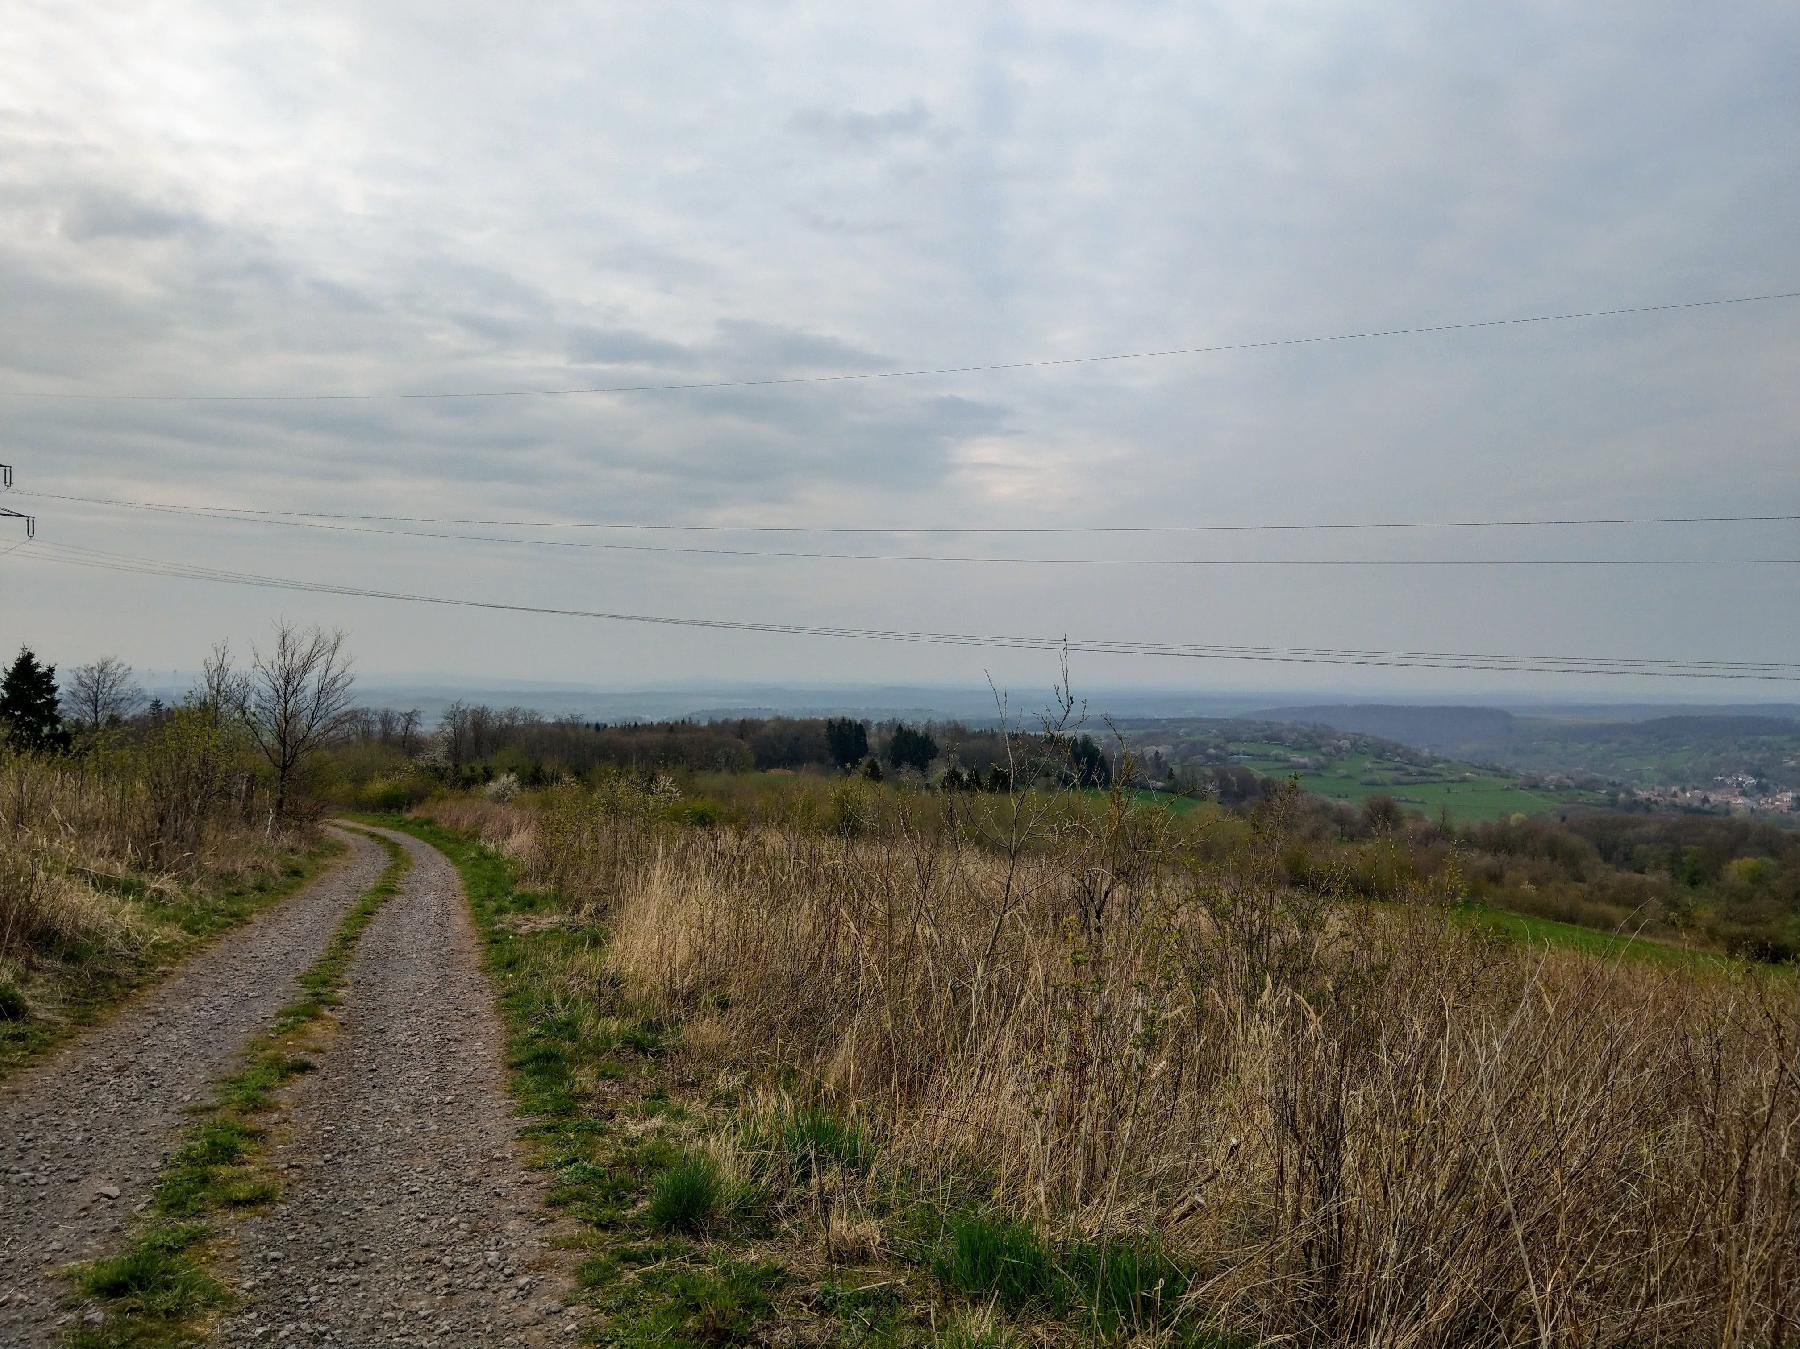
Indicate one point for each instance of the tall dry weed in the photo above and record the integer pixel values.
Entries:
(1353, 1123)
(82, 836)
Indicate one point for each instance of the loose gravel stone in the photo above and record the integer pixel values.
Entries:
(84, 1133)
(406, 1219)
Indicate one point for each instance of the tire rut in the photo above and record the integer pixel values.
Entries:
(84, 1133)
(406, 1217)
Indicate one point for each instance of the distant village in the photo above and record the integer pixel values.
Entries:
(1737, 793)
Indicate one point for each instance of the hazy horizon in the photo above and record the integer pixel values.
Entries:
(654, 700)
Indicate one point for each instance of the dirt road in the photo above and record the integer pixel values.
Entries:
(83, 1134)
(405, 1219)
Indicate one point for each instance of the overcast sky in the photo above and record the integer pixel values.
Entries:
(445, 197)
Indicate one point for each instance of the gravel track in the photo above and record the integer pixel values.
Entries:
(84, 1133)
(406, 1218)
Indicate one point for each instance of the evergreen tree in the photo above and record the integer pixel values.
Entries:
(29, 715)
(911, 749)
(1090, 765)
(849, 741)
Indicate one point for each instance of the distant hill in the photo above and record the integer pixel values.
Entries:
(1691, 748)
(1690, 728)
(1434, 728)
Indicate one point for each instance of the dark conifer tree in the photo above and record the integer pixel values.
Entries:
(849, 741)
(30, 716)
(908, 748)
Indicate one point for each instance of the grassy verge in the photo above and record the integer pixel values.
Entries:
(90, 989)
(159, 1292)
(707, 1215)
(1603, 945)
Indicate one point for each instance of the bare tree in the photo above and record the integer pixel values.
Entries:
(103, 692)
(224, 692)
(299, 699)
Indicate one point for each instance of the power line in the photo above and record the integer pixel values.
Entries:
(1415, 330)
(255, 511)
(818, 555)
(1637, 667)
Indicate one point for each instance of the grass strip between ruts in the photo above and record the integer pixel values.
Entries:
(159, 1292)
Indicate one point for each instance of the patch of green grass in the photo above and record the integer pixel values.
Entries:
(804, 1140)
(976, 1332)
(812, 1132)
(1116, 1286)
(689, 1196)
(866, 1315)
(153, 1281)
(994, 1257)
(1524, 927)
(1125, 1283)
(157, 1290)
(649, 1037)
(686, 1308)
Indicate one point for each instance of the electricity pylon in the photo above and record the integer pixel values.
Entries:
(30, 520)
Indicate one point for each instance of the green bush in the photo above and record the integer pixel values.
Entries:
(393, 794)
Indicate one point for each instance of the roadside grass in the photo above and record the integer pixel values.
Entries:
(159, 1291)
(41, 1008)
(712, 1215)
(1327, 1085)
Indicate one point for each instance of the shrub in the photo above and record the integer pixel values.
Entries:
(13, 1006)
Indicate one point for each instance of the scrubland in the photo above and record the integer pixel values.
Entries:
(117, 861)
(1096, 1078)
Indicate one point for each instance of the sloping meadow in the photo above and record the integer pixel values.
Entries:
(114, 863)
(1199, 1099)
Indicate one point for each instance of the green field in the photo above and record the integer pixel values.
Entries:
(1465, 793)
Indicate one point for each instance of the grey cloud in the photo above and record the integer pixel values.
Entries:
(95, 215)
(622, 346)
(494, 328)
(846, 127)
(737, 344)
(782, 348)
(856, 229)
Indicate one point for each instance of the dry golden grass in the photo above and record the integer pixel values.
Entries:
(44, 905)
(100, 868)
(1351, 1123)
